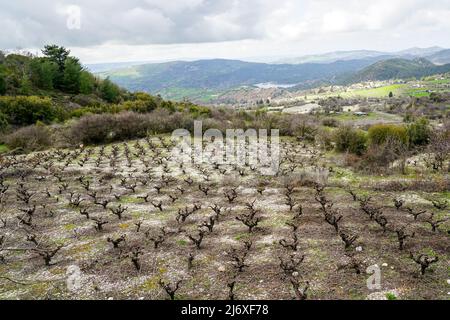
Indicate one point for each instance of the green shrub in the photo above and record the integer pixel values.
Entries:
(381, 133)
(31, 138)
(391, 296)
(3, 122)
(2, 84)
(109, 91)
(419, 132)
(23, 110)
(348, 139)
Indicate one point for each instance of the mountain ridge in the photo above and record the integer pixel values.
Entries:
(397, 68)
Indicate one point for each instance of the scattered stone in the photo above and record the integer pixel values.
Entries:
(221, 269)
(383, 295)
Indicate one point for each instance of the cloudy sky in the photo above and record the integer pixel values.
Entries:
(157, 30)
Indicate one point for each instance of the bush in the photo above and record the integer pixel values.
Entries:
(104, 128)
(31, 138)
(378, 158)
(351, 140)
(129, 125)
(2, 84)
(298, 125)
(325, 138)
(419, 132)
(381, 133)
(330, 122)
(109, 91)
(92, 129)
(23, 110)
(3, 122)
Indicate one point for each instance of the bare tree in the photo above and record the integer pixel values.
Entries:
(300, 293)
(424, 261)
(118, 211)
(231, 194)
(135, 253)
(402, 235)
(293, 244)
(99, 223)
(48, 254)
(435, 223)
(415, 214)
(230, 284)
(170, 288)
(197, 240)
(291, 263)
(398, 203)
(159, 238)
(117, 241)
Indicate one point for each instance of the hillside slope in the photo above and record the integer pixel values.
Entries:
(440, 58)
(225, 74)
(397, 69)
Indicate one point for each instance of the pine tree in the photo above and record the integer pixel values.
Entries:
(72, 75)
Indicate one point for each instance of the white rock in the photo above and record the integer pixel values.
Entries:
(359, 249)
(295, 274)
(448, 281)
(384, 264)
(221, 269)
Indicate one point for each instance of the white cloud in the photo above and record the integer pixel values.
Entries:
(290, 25)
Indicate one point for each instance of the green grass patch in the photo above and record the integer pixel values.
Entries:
(396, 89)
(3, 148)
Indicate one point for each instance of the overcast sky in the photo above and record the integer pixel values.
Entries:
(146, 30)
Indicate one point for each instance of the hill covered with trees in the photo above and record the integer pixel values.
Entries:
(55, 72)
(55, 87)
(398, 69)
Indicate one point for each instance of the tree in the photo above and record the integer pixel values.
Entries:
(72, 74)
(43, 73)
(391, 95)
(58, 55)
(2, 84)
(109, 91)
(87, 82)
(25, 86)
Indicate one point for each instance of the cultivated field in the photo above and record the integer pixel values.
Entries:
(127, 221)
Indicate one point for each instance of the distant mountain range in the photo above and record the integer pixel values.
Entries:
(363, 54)
(188, 78)
(222, 74)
